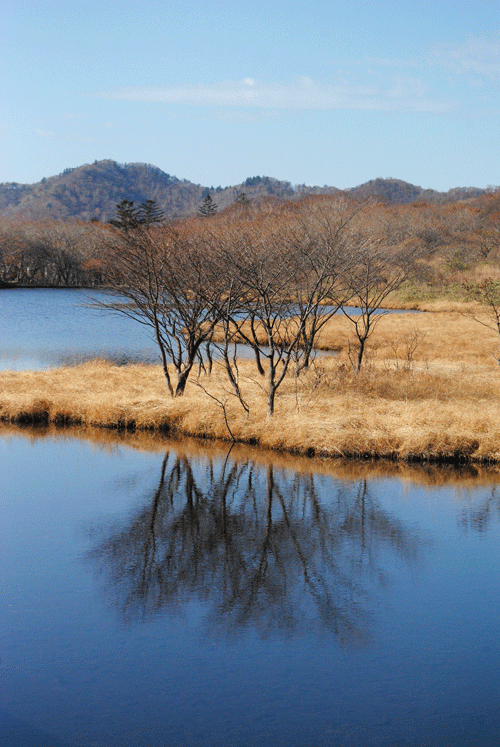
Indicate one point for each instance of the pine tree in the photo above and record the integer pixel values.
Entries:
(208, 208)
(242, 199)
(151, 212)
(128, 216)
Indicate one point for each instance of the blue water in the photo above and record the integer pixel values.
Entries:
(46, 327)
(176, 597)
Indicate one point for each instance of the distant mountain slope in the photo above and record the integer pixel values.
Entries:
(93, 191)
(397, 192)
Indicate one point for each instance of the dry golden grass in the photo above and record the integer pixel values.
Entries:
(442, 405)
(439, 306)
(447, 339)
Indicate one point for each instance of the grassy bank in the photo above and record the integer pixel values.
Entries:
(439, 401)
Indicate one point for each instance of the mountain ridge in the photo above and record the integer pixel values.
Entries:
(92, 191)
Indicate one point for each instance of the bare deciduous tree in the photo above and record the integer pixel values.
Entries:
(264, 317)
(284, 273)
(377, 273)
(165, 279)
(487, 293)
(320, 237)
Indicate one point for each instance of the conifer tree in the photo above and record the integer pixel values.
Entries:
(151, 212)
(208, 207)
(127, 216)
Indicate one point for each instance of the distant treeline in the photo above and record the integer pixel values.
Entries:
(458, 235)
(51, 254)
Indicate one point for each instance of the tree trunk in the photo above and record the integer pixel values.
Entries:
(270, 400)
(182, 381)
(360, 353)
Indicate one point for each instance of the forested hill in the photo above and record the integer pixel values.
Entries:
(94, 190)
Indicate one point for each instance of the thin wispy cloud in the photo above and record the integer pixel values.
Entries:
(397, 93)
(376, 62)
(388, 62)
(225, 114)
(477, 56)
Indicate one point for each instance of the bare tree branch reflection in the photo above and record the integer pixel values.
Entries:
(483, 512)
(261, 548)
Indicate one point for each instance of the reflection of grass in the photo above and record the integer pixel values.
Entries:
(442, 402)
(462, 477)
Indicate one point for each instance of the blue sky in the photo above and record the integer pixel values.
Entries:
(311, 92)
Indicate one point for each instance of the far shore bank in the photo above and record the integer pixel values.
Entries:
(394, 303)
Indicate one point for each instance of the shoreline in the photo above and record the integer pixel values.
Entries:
(429, 392)
(418, 416)
(453, 457)
(392, 304)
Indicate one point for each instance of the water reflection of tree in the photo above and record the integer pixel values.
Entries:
(483, 512)
(258, 547)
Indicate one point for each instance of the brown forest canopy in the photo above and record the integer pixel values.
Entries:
(460, 237)
(94, 190)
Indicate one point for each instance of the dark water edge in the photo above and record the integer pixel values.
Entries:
(426, 472)
(39, 418)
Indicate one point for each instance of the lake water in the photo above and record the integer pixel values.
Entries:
(47, 327)
(161, 594)
(44, 328)
(167, 594)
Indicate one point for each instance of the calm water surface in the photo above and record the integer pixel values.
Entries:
(171, 597)
(45, 328)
